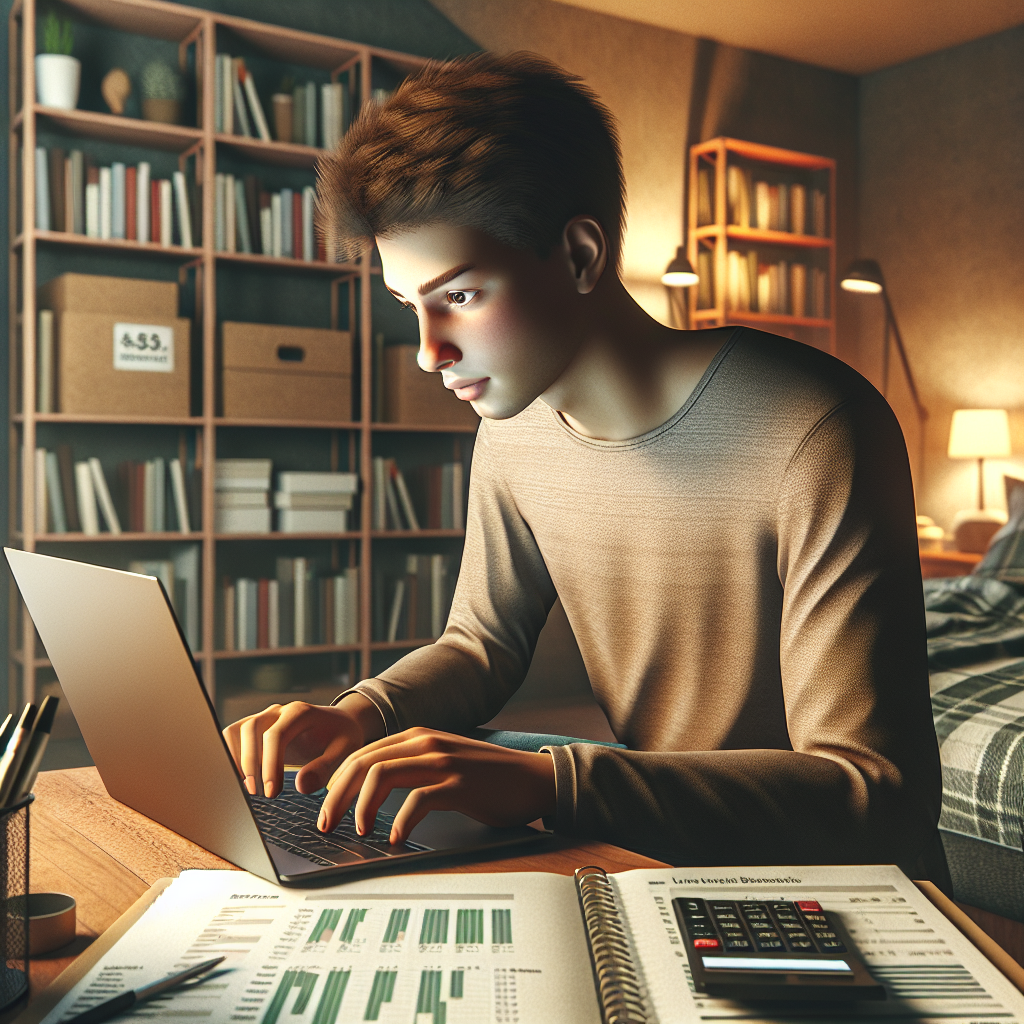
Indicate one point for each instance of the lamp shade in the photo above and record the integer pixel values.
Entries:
(863, 276)
(679, 273)
(979, 434)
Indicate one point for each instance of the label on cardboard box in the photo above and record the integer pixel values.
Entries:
(147, 347)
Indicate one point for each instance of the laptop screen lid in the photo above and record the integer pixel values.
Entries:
(127, 674)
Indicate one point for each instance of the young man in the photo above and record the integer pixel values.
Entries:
(726, 515)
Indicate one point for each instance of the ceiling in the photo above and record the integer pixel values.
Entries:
(855, 36)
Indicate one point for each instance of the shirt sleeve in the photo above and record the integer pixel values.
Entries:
(501, 602)
(862, 781)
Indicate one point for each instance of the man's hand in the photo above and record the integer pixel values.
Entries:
(446, 773)
(319, 738)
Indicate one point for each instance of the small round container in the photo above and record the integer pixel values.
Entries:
(51, 921)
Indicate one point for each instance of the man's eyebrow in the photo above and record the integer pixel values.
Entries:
(448, 275)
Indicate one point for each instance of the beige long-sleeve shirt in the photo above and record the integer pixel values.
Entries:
(744, 585)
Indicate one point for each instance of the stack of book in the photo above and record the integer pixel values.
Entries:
(238, 109)
(433, 500)
(120, 201)
(298, 608)
(74, 497)
(180, 577)
(314, 502)
(782, 287)
(782, 206)
(248, 219)
(420, 600)
(242, 496)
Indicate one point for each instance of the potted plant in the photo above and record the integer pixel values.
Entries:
(162, 93)
(58, 74)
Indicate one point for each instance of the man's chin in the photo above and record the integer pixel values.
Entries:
(489, 409)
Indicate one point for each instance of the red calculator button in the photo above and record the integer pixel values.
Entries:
(706, 943)
(812, 905)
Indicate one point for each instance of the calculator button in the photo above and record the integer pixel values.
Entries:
(705, 943)
(804, 944)
(832, 946)
(823, 935)
(816, 917)
(767, 945)
(812, 905)
(731, 943)
(791, 926)
(786, 915)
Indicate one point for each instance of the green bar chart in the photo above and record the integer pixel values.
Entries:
(380, 992)
(330, 999)
(306, 983)
(324, 929)
(429, 999)
(457, 984)
(352, 922)
(398, 922)
(277, 1003)
(501, 927)
(435, 927)
(469, 927)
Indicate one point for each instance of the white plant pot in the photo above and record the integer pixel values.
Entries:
(58, 78)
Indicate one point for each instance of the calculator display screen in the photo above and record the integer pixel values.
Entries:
(755, 963)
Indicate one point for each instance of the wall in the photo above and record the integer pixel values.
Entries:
(942, 210)
(669, 90)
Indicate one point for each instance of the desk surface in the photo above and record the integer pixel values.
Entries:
(106, 855)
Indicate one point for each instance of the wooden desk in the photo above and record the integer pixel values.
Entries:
(106, 855)
(947, 563)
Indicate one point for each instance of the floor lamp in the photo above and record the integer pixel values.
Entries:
(678, 275)
(864, 277)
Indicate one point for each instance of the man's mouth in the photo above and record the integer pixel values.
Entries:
(468, 389)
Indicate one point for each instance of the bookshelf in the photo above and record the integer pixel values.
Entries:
(346, 296)
(731, 182)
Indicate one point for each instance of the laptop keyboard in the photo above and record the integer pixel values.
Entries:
(289, 821)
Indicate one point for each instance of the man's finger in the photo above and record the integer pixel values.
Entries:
(251, 733)
(232, 739)
(291, 720)
(418, 804)
(384, 776)
(315, 773)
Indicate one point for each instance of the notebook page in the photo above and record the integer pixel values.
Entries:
(419, 949)
(931, 972)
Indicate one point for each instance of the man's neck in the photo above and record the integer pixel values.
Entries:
(630, 373)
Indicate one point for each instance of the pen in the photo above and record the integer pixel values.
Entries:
(15, 753)
(26, 777)
(126, 1000)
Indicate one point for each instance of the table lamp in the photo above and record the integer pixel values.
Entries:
(978, 434)
(678, 275)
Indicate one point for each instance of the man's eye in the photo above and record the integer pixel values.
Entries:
(460, 297)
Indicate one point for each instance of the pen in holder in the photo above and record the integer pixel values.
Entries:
(14, 895)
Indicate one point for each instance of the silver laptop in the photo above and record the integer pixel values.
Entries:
(130, 680)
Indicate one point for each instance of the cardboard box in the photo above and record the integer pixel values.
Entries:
(417, 398)
(286, 373)
(128, 297)
(100, 370)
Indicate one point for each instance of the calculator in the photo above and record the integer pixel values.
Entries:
(771, 950)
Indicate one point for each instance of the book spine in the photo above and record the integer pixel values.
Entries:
(106, 203)
(230, 234)
(310, 119)
(44, 360)
(68, 193)
(404, 498)
(218, 94)
(298, 240)
(55, 170)
(273, 614)
(299, 115)
(42, 190)
(117, 197)
(228, 97)
(219, 213)
(184, 213)
(53, 491)
(241, 117)
(308, 203)
(242, 218)
(229, 616)
(258, 116)
(77, 192)
(40, 486)
(618, 981)
(396, 611)
(286, 601)
(299, 584)
(180, 500)
(287, 235)
(165, 213)
(68, 489)
(103, 498)
(276, 226)
(159, 496)
(131, 195)
(155, 231)
(267, 229)
(262, 613)
(87, 512)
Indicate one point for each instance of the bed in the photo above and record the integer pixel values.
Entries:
(976, 665)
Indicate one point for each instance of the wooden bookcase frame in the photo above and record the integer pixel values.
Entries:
(187, 26)
(715, 153)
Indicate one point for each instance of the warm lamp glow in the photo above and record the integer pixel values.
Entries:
(679, 273)
(853, 284)
(979, 434)
(863, 277)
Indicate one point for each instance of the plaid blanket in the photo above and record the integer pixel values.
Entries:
(976, 658)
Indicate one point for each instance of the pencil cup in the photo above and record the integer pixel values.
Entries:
(13, 893)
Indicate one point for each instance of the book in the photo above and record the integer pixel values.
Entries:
(103, 499)
(312, 520)
(276, 226)
(287, 235)
(300, 568)
(55, 177)
(42, 190)
(180, 496)
(762, 205)
(220, 228)
(394, 618)
(306, 482)
(155, 227)
(42, 518)
(228, 95)
(241, 520)
(241, 223)
(797, 209)
(242, 474)
(166, 221)
(241, 117)
(798, 289)
(705, 204)
(78, 191)
(286, 601)
(310, 119)
(186, 597)
(183, 210)
(403, 497)
(298, 213)
(258, 116)
(252, 208)
(106, 203)
(68, 490)
(88, 514)
(308, 207)
(92, 202)
(131, 221)
(819, 216)
(44, 362)
(299, 114)
(117, 200)
(310, 502)
(240, 499)
(54, 492)
(218, 94)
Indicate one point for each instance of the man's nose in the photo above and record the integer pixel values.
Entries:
(435, 352)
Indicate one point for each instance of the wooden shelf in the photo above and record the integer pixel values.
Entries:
(103, 538)
(70, 417)
(764, 154)
(736, 316)
(224, 421)
(287, 652)
(142, 17)
(422, 428)
(277, 535)
(765, 237)
(415, 534)
(19, 659)
(280, 154)
(130, 130)
(276, 262)
(149, 248)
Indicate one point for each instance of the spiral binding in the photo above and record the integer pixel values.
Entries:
(614, 974)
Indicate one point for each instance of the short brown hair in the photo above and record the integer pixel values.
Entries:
(511, 145)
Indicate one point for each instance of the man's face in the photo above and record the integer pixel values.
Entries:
(497, 322)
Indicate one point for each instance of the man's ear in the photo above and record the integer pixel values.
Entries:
(586, 246)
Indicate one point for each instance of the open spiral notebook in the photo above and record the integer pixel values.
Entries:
(510, 948)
